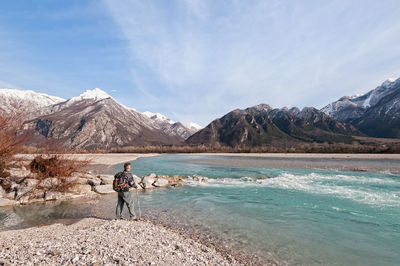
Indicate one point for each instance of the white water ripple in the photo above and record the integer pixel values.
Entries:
(367, 190)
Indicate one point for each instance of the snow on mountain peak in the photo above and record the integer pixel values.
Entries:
(30, 95)
(389, 82)
(158, 117)
(96, 94)
(12, 99)
(194, 126)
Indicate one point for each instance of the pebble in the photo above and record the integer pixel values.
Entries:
(113, 242)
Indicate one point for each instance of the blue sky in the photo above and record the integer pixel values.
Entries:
(197, 60)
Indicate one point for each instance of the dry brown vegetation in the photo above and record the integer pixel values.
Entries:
(10, 142)
(53, 165)
(58, 168)
(356, 147)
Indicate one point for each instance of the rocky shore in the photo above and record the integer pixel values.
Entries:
(103, 242)
(25, 187)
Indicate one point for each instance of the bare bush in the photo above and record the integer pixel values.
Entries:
(58, 166)
(10, 141)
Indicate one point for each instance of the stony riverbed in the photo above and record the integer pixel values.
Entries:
(102, 242)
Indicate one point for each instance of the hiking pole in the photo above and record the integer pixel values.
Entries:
(138, 201)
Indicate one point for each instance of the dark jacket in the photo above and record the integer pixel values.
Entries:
(131, 180)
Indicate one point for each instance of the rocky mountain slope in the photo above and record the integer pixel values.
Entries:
(261, 124)
(90, 121)
(376, 113)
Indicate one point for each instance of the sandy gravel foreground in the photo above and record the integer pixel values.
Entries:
(102, 242)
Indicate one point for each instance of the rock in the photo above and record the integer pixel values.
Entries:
(95, 181)
(147, 181)
(30, 182)
(7, 202)
(78, 180)
(137, 179)
(37, 196)
(17, 172)
(175, 184)
(81, 189)
(104, 189)
(161, 182)
(106, 179)
(21, 192)
(10, 195)
(2, 192)
(49, 183)
(14, 186)
(200, 178)
(55, 195)
(175, 178)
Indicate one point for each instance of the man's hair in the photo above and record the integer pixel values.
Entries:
(126, 165)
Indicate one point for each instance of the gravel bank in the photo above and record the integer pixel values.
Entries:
(98, 242)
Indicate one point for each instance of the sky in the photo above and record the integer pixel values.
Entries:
(193, 60)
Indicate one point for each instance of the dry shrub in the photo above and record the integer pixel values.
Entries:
(10, 140)
(58, 166)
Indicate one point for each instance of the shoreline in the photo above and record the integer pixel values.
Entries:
(373, 156)
(108, 159)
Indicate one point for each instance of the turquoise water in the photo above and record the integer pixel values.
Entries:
(292, 216)
(304, 216)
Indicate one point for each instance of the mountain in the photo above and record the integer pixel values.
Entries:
(376, 113)
(170, 126)
(94, 120)
(261, 124)
(12, 100)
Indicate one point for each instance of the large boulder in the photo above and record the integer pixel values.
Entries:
(161, 182)
(30, 182)
(106, 179)
(94, 181)
(32, 197)
(104, 189)
(26, 187)
(49, 183)
(19, 173)
(78, 180)
(148, 181)
(81, 189)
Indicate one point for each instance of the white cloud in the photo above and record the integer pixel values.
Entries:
(201, 59)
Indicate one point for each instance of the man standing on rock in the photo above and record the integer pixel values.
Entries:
(123, 183)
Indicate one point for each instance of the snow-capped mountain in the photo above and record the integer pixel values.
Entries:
(13, 100)
(376, 113)
(158, 117)
(92, 120)
(171, 126)
(194, 127)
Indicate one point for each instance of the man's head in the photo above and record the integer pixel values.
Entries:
(127, 166)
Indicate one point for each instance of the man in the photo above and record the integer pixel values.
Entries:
(125, 196)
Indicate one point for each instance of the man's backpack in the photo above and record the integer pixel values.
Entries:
(120, 182)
